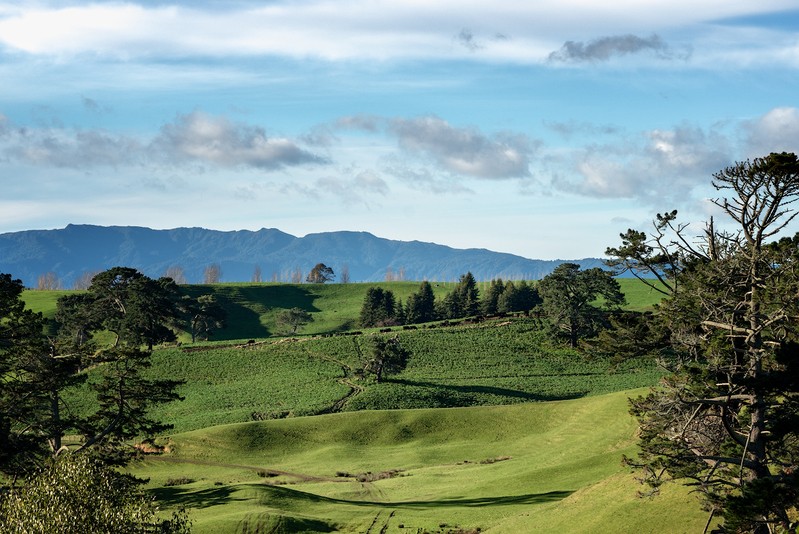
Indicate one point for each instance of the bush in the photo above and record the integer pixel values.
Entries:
(77, 494)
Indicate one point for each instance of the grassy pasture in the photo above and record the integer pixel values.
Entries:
(252, 309)
(475, 453)
(491, 363)
(540, 467)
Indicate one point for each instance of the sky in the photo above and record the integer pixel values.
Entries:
(541, 128)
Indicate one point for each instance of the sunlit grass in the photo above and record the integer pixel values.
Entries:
(541, 467)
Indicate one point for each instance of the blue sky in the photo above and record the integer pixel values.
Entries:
(541, 128)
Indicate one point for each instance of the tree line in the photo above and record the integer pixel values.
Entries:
(574, 302)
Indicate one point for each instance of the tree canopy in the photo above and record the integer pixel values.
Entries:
(727, 419)
(463, 301)
(379, 308)
(387, 356)
(75, 494)
(40, 363)
(320, 274)
(570, 298)
(294, 318)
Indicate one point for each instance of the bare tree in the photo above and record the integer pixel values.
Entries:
(344, 274)
(48, 281)
(212, 274)
(296, 276)
(84, 280)
(389, 274)
(176, 273)
(256, 275)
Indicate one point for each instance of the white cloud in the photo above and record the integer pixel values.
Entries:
(655, 167)
(69, 148)
(465, 151)
(215, 139)
(776, 131)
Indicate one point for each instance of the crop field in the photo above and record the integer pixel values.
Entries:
(496, 362)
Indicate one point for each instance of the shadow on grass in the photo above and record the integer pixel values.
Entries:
(488, 390)
(269, 494)
(267, 522)
(245, 304)
(190, 498)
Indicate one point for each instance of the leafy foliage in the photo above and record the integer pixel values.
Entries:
(388, 356)
(293, 319)
(320, 274)
(78, 494)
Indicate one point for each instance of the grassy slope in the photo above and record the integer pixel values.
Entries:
(563, 473)
(505, 362)
(252, 309)
(558, 471)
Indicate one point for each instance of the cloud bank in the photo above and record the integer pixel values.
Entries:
(196, 137)
(361, 29)
(426, 152)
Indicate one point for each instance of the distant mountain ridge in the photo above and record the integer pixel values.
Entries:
(77, 249)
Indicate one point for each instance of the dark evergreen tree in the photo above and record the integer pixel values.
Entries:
(727, 420)
(136, 308)
(21, 398)
(518, 297)
(205, 315)
(569, 296)
(463, 301)
(36, 369)
(124, 395)
(490, 302)
(421, 307)
(379, 308)
(76, 318)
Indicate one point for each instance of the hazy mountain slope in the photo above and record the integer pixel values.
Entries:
(77, 249)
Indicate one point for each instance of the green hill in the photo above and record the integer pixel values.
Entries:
(541, 467)
(496, 362)
(252, 309)
(283, 434)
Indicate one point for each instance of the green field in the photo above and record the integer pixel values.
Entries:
(506, 361)
(491, 426)
(540, 467)
(252, 309)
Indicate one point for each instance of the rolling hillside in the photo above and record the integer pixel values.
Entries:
(490, 427)
(544, 467)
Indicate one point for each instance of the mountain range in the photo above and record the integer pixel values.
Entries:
(72, 252)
